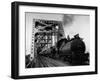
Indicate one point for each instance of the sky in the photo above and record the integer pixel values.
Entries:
(72, 24)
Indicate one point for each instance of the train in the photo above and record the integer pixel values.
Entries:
(69, 50)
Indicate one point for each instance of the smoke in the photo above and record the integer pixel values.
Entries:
(68, 19)
(67, 22)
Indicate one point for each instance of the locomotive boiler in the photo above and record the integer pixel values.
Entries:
(73, 51)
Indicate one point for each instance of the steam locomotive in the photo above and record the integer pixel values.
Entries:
(69, 50)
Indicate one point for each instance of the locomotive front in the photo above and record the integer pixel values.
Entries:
(73, 51)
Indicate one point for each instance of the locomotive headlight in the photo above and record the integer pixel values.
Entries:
(57, 27)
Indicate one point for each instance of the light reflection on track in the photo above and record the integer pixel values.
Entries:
(48, 62)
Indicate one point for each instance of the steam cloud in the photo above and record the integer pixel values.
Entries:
(68, 19)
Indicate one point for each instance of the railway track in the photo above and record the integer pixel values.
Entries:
(42, 61)
(49, 62)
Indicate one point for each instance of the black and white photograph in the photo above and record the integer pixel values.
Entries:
(56, 40)
(51, 40)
